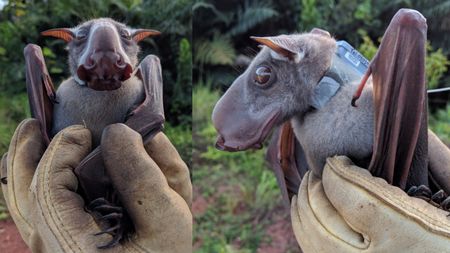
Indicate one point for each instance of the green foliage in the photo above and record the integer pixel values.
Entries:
(215, 40)
(440, 124)
(436, 63)
(239, 188)
(181, 138)
(181, 98)
(367, 47)
(250, 15)
(217, 51)
(12, 110)
(310, 16)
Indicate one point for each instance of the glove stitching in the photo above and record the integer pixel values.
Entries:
(308, 194)
(13, 181)
(389, 198)
(47, 198)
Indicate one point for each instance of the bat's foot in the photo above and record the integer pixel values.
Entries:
(439, 199)
(111, 217)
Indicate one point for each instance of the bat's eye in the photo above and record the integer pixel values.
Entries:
(262, 75)
(81, 34)
(125, 34)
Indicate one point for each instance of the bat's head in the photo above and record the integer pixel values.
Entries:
(277, 85)
(102, 52)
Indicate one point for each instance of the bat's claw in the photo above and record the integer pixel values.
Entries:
(421, 191)
(354, 101)
(439, 199)
(445, 204)
(111, 217)
(116, 239)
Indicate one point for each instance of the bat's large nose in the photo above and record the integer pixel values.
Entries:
(105, 65)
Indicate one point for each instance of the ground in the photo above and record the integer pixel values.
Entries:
(10, 239)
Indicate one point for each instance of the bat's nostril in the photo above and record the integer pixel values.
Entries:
(120, 63)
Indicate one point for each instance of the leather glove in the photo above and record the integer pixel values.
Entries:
(42, 199)
(348, 210)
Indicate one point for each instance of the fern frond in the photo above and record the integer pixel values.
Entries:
(218, 51)
(252, 14)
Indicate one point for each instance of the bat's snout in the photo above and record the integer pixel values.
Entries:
(104, 70)
(104, 65)
(240, 128)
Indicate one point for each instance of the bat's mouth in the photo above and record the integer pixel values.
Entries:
(104, 84)
(250, 136)
(104, 74)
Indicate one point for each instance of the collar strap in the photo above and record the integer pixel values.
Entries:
(343, 70)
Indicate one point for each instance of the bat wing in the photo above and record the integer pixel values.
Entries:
(147, 119)
(400, 102)
(41, 93)
(287, 159)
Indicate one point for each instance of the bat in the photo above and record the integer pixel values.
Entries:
(297, 85)
(107, 86)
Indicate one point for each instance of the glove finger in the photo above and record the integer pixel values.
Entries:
(25, 151)
(317, 225)
(153, 206)
(369, 204)
(169, 161)
(61, 208)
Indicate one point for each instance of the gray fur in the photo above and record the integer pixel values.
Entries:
(79, 104)
(76, 49)
(337, 128)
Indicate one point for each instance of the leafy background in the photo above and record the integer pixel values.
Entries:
(237, 205)
(22, 21)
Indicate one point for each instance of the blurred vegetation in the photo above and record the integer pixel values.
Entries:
(439, 122)
(222, 52)
(22, 21)
(239, 194)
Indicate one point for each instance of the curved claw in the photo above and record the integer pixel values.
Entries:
(109, 230)
(412, 190)
(116, 239)
(113, 216)
(446, 204)
(439, 196)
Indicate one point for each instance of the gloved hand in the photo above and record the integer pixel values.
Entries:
(42, 199)
(348, 210)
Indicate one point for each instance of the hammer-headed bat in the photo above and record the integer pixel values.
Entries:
(298, 81)
(107, 86)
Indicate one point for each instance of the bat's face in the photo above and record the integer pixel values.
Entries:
(102, 52)
(277, 85)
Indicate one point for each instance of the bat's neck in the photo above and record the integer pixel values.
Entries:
(338, 74)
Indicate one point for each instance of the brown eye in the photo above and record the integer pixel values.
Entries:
(262, 75)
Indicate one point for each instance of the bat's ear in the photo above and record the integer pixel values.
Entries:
(282, 45)
(140, 34)
(319, 31)
(65, 34)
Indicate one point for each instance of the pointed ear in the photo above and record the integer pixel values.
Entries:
(319, 31)
(282, 45)
(141, 34)
(61, 33)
